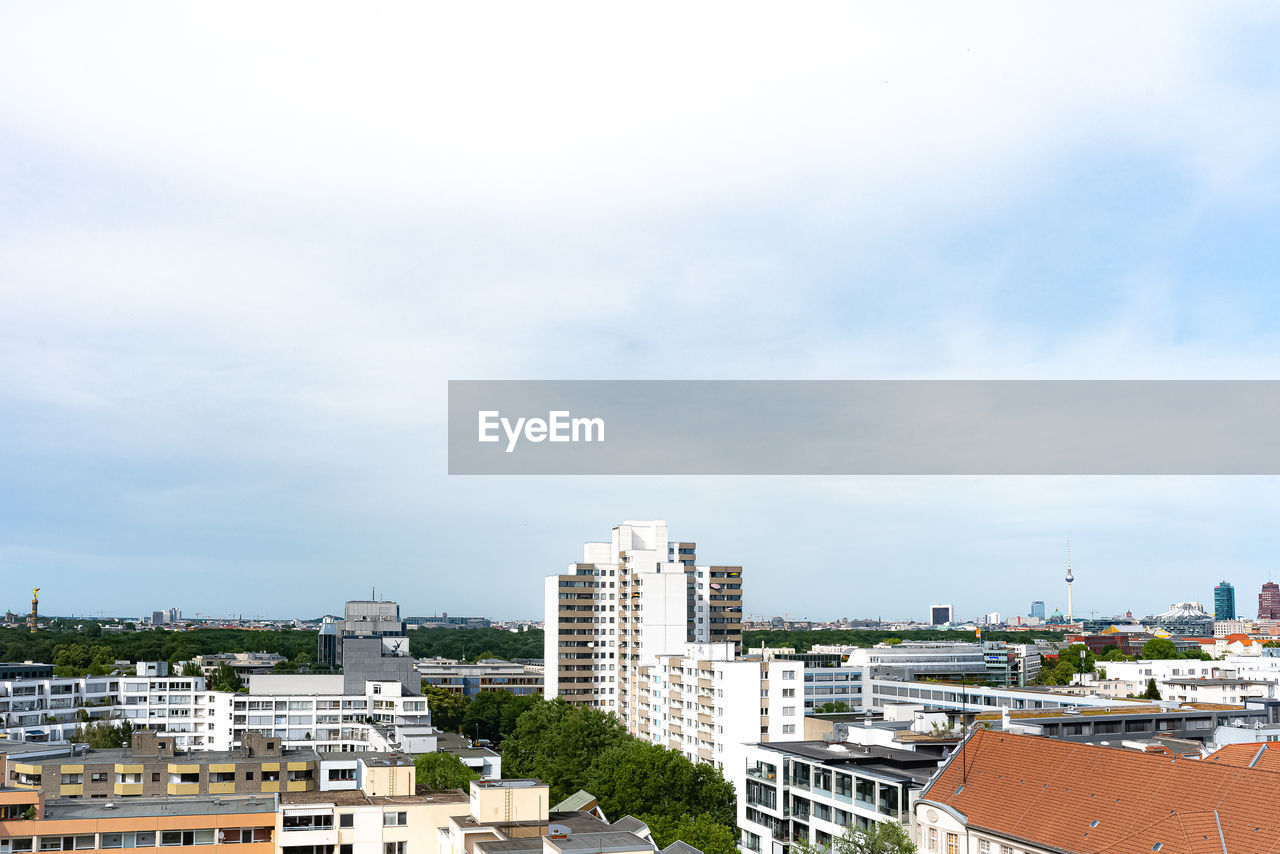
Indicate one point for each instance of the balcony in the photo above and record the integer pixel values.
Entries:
(762, 774)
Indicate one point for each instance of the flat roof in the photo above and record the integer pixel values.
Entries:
(1103, 711)
(609, 840)
(518, 783)
(108, 755)
(56, 810)
(357, 798)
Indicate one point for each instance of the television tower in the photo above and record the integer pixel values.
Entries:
(1070, 578)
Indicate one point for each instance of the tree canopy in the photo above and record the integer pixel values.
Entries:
(578, 747)
(474, 644)
(440, 771)
(1160, 648)
(882, 837)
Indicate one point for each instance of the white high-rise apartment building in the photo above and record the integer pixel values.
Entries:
(631, 599)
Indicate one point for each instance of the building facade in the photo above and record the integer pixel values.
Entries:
(1269, 602)
(492, 674)
(814, 790)
(1224, 602)
(629, 600)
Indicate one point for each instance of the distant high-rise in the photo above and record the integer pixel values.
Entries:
(1037, 608)
(1224, 602)
(940, 615)
(1269, 602)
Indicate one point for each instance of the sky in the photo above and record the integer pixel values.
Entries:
(243, 248)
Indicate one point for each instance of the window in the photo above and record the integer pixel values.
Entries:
(72, 779)
(788, 729)
(98, 777)
(347, 820)
(788, 674)
(344, 849)
(788, 692)
(393, 847)
(984, 846)
(933, 838)
(112, 840)
(395, 819)
(16, 844)
(953, 844)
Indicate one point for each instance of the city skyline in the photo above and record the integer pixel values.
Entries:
(233, 293)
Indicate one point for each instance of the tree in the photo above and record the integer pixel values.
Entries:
(882, 837)
(190, 668)
(702, 832)
(1159, 648)
(440, 771)
(492, 715)
(557, 743)
(91, 630)
(831, 708)
(448, 710)
(103, 734)
(1152, 692)
(225, 678)
(1071, 656)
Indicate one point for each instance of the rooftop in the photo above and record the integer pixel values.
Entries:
(1263, 756)
(1088, 798)
(112, 755)
(356, 798)
(136, 807)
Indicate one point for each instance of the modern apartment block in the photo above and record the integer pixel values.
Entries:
(316, 712)
(813, 790)
(629, 600)
(47, 709)
(706, 704)
(154, 767)
(140, 823)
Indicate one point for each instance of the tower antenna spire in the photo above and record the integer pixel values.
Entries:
(1070, 578)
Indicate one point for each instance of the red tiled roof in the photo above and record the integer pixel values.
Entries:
(1262, 756)
(1049, 793)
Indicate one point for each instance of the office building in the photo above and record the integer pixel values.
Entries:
(941, 615)
(1269, 602)
(368, 644)
(444, 621)
(1037, 609)
(629, 600)
(1224, 602)
(492, 674)
(364, 618)
(1011, 792)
